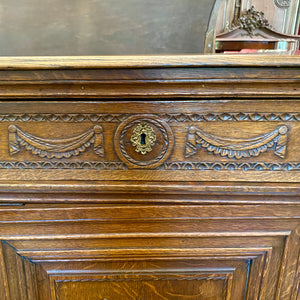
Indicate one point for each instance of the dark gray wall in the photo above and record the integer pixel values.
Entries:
(103, 27)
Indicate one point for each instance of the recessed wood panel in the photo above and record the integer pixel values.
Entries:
(76, 252)
(160, 287)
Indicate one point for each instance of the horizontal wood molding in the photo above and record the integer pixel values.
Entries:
(138, 61)
(150, 77)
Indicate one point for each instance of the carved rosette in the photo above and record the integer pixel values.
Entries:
(282, 3)
(144, 141)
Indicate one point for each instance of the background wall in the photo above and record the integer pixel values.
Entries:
(103, 27)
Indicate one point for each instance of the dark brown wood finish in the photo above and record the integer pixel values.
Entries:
(185, 185)
(150, 77)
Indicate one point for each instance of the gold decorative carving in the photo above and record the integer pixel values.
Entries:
(143, 138)
(252, 20)
(56, 148)
(237, 148)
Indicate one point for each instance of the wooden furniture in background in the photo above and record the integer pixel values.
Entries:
(253, 31)
(150, 178)
(255, 24)
(283, 15)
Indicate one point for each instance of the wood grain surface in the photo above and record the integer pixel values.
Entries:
(144, 61)
(56, 141)
(85, 216)
(145, 77)
(150, 252)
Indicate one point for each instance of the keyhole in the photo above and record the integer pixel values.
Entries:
(143, 139)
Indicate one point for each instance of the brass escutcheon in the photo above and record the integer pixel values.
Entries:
(143, 138)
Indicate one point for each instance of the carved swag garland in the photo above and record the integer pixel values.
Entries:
(56, 148)
(196, 139)
(236, 148)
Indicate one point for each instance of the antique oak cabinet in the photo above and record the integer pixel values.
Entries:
(150, 178)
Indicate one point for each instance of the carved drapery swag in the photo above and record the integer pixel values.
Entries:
(237, 148)
(56, 148)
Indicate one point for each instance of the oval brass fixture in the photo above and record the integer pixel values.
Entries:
(143, 138)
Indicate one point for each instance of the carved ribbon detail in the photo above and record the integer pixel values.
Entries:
(237, 148)
(56, 148)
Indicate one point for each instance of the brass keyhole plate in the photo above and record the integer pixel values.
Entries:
(143, 138)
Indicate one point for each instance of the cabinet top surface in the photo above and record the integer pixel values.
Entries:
(90, 62)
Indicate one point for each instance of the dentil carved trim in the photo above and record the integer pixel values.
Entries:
(182, 117)
(56, 148)
(237, 148)
(186, 166)
(63, 165)
(235, 117)
(282, 3)
(232, 166)
(65, 118)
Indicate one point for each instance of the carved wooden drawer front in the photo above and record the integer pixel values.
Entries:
(173, 141)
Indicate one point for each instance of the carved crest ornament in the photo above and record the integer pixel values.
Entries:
(252, 20)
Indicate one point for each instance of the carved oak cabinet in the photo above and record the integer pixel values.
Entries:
(150, 178)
